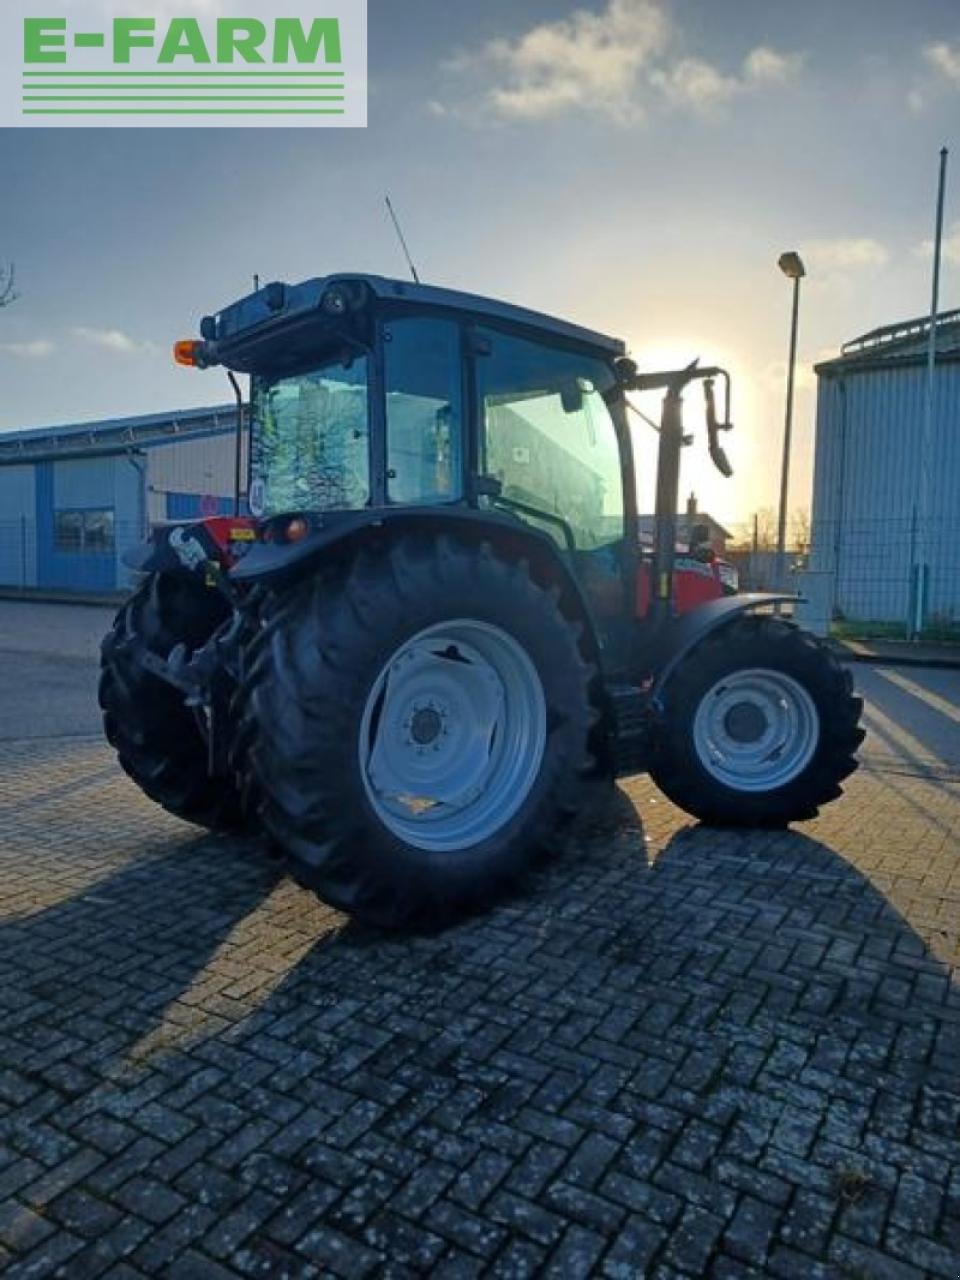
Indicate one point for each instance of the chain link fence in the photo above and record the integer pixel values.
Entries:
(864, 576)
(78, 550)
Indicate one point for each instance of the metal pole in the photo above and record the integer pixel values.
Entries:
(788, 440)
(238, 445)
(926, 445)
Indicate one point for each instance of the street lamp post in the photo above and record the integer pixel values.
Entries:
(791, 264)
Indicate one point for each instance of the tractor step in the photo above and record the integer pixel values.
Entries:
(633, 719)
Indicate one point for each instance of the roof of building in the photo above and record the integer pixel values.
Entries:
(114, 434)
(893, 345)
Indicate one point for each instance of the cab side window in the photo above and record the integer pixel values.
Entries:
(548, 436)
(424, 408)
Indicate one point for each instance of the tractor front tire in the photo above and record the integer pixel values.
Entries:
(760, 727)
(157, 739)
(416, 729)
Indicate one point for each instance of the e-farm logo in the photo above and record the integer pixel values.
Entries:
(198, 62)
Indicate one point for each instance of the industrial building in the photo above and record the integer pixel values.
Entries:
(886, 490)
(74, 498)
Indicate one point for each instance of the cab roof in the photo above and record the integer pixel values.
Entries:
(279, 301)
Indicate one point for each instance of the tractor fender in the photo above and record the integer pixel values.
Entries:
(192, 548)
(676, 639)
(277, 564)
(177, 549)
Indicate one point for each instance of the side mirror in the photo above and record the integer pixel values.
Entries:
(571, 397)
(718, 455)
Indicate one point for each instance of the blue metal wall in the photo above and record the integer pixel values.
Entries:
(866, 481)
(18, 542)
(107, 483)
(145, 481)
(191, 506)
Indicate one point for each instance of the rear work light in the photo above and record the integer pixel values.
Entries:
(297, 530)
(187, 353)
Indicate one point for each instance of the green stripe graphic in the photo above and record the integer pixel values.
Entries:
(188, 97)
(255, 90)
(72, 91)
(180, 111)
(266, 74)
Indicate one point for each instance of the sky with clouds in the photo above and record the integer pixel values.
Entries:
(635, 165)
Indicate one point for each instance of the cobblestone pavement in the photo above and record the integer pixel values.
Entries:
(682, 1053)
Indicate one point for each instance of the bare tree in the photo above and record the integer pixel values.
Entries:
(800, 530)
(765, 529)
(8, 281)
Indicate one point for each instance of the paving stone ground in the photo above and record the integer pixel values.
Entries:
(681, 1053)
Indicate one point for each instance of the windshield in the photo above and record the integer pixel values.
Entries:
(310, 440)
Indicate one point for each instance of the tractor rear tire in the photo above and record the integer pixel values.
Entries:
(416, 729)
(157, 739)
(761, 727)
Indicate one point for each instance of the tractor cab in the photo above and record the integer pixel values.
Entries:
(372, 395)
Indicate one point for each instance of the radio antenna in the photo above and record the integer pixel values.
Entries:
(402, 239)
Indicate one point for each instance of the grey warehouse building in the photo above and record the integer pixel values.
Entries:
(874, 516)
(74, 498)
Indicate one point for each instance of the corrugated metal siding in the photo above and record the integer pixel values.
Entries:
(129, 479)
(18, 523)
(83, 484)
(869, 433)
(201, 467)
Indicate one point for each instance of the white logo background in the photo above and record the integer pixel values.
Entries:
(215, 99)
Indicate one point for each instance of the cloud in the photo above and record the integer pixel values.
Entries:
(951, 245)
(590, 60)
(945, 59)
(38, 349)
(695, 83)
(764, 65)
(832, 257)
(111, 340)
(617, 61)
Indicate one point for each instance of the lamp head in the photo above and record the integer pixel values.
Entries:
(791, 264)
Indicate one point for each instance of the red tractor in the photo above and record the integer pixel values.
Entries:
(438, 618)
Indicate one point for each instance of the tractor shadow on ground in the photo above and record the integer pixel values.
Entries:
(88, 978)
(707, 1006)
(717, 943)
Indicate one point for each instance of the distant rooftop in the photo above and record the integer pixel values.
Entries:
(113, 435)
(904, 343)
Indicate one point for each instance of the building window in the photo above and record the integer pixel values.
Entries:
(84, 531)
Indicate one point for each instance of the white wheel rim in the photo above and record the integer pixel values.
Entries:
(756, 731)
(453, 735)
